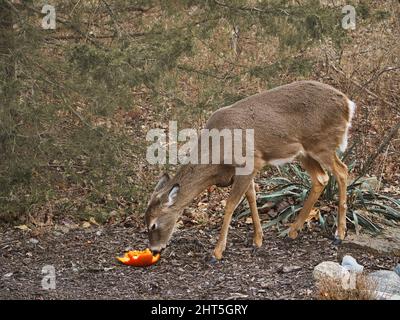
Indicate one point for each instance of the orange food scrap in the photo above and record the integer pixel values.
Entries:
(139, 258)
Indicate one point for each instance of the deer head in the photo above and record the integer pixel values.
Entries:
(162, 213)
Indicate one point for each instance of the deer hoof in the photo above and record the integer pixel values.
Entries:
(337, 241)
(340, 234)
(255, 250)
(217, 254)
(213, 260)
(257, 241)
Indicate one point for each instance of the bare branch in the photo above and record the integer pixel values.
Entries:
(253, 9)
(393, 131)
(365, 89)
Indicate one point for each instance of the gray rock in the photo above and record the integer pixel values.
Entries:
(368, 183)
(350, 264)
(397, 269)
(386, 243)
(33, 241)
(63, 229)
(387, 283)
(386, 296)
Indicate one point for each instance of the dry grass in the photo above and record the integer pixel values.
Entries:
(331, 289)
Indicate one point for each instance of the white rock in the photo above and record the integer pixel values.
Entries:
(334, 271)
(350, 264)
(331, 270)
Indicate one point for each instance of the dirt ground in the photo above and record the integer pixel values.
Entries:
(86, 268)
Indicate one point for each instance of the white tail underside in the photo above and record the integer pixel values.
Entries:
(352, 109)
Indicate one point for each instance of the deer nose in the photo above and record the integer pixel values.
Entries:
(152, 226)
(155, 251)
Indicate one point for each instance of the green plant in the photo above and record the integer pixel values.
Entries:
(366, 208)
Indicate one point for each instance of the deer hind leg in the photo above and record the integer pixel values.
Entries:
(239, 187)
(319, 179)
(258, 231)
(339, 170)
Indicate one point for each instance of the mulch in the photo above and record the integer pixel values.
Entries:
(86, 268)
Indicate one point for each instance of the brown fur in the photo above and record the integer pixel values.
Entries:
(306, 113)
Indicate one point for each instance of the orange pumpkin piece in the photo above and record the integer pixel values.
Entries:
(139, 258)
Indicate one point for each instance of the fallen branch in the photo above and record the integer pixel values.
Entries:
(104, 36)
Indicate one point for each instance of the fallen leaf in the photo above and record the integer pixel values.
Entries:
(86, 225)
(23, 227)
(272, 213)
(211, 189)
(326, 208)
(282, 206)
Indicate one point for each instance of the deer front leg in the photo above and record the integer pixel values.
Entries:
(239, 187)
(258, 231)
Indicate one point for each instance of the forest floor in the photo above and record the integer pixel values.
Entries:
(86, 268)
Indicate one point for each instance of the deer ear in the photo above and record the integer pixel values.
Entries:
(173, 194)
(161, 183)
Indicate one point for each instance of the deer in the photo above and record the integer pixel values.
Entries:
(305, 121)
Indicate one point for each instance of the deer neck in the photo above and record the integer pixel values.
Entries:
(193, 179)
